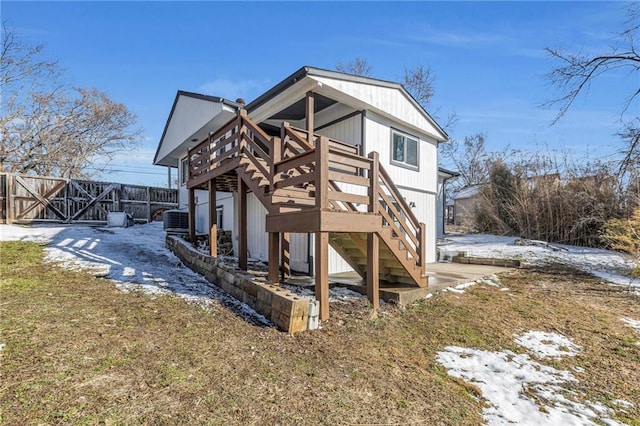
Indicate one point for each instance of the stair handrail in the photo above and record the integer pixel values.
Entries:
(418, 236)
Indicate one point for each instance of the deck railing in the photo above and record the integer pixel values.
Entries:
(317, 172)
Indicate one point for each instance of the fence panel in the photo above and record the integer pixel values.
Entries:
(27, 199)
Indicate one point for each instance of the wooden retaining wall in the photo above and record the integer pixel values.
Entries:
(29, 199)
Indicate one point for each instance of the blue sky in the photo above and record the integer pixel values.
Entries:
(488, 58)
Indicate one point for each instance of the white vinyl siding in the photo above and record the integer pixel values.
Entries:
(189, 115)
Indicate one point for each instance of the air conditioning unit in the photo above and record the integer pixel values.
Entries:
(175, 221)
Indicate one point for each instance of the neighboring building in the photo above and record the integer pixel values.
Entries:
(465, 204)
(279, 164)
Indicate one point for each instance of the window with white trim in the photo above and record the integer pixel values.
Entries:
(184, 171)
(404, 150)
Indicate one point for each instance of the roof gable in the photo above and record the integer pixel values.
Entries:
(189, 112)
(389, 99)
(384, 97)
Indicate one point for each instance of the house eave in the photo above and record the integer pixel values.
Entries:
(209, 98)
(305, 71)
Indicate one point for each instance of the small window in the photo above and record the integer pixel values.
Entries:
(404, 150)
(184, 171)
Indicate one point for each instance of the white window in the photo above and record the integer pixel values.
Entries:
(404, 150)
(184, 171)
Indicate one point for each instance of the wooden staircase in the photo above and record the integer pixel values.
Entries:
(315, 184)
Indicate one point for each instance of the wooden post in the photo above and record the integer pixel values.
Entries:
(373, 183)
(192, 215)
(423, 247)
(276, 157)
(285, 258)
(10, 199)
(322, 173)
(242, 231)
(242, 144)
(309, 116)
(322, 273)
(373, 242)
(274, 257)
(213, 219)
(373, 269)
(148, 204)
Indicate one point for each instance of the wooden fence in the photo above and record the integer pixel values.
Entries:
(28, 199)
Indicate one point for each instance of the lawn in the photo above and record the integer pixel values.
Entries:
(76, 350)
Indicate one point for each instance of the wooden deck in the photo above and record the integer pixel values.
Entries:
(311, 183)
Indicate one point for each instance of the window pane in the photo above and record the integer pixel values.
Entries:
(398, 148)
(185, 171)
(412, 152)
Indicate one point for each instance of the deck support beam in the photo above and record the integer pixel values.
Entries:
(242, 228)
(192, 215)
(322, 273)
(286, 255)
(274, 257)
(213, 219)
(309, 116)
(373, 269)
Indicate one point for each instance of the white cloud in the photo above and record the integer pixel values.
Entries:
(455, 38)
(233, 89)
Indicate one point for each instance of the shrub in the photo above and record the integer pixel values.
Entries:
(624, 235)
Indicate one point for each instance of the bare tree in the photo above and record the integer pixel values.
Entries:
(470, 159)
(356, 66)
(419, 82)
(50, 128)
(576, 72)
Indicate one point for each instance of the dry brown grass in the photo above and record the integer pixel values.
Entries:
(80, 352)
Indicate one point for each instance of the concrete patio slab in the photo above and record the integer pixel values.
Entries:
(441, 275)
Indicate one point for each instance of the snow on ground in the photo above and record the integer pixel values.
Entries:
(507, 380)
(605, 264)
(547, 345)
(135, 258)
(491, 280)
(635, 324)
(336, 294)
(632, 323)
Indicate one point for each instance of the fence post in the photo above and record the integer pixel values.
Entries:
(148, 204)
(9, 198)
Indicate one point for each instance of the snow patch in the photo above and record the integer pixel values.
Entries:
(491, 280)
(508, 381)
(635, 324)
(135, 258)
(336, 294)
(605, 264)
(547, 345)
(631, 323)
